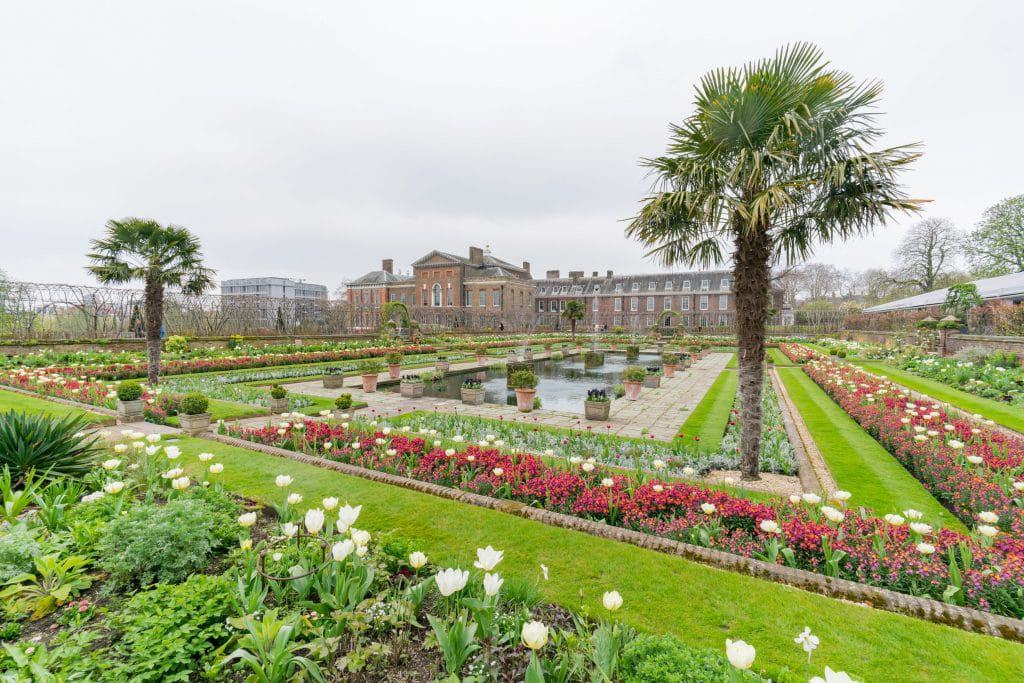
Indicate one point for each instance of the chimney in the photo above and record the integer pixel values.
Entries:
(526, 266)
(594, 274)
(387, 265)
(575, 274)
(553, 274)
(476, 256)
(610, 273)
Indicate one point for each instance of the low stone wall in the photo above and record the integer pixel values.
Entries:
(956, 342)
(923, 608)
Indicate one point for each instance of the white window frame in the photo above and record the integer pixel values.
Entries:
(650, 303)
(668, 285)
(705, 285)
(723, 302)
(634, 303)
(618, 304)
(668, 303)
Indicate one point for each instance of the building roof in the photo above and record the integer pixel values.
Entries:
(379, 277)
(1002, 287)
(603, 284)
(492, 266)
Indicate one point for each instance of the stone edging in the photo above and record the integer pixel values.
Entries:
(805, 470)
(87, 407)
(805, 442)
(965, 618)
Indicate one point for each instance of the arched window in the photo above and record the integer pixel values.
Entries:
(437, 294)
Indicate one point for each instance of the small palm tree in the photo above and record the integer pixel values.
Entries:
(776, 158)
(137, 249)
(574, 313)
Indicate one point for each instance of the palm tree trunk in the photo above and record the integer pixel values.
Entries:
(752, 279)
(154, 321)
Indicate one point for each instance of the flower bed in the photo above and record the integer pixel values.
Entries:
(777, 454)
(979, 378)
(967, 466)
(911, 558)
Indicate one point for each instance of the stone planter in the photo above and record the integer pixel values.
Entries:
(597, 410)
(632, 390)
(411, 389)
(652, 381)
(475, 397)
(669, 370)
(130, 411)
(528, 354)
(441, 365)
(524, 399)
(194, 424)
(394, 370)
(334, 381)
(511, 357)
(593, 359)
(370, 383)
(278, 405)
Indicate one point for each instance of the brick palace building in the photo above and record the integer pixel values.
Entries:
(484, 292)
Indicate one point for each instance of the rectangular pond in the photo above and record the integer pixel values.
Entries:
(562, 384)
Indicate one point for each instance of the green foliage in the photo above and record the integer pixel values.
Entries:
(371, 366)
(49, 446)
(619, 390)
(343, 402)
(663, 659)
(996, 247)
(456, 640)
(393, 358)
(163, 543)
(234, 341)
(176, 344)
(669, 358)
(634, 373)
(166, 633)
(18, 545)
(129, 390)
(54, 582)
(270, 647)
(278, 392)
(193, 404)
(522, 379)
(960, 299)
(632, 351)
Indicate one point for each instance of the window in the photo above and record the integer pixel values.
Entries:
(723, 319)
(437, 294)
(703, 321)
(650, 303)
(705, 285)
(650, 320)
(686, 285)
(668, 286)
(723, 302)
(449, 298)
(635, 287)
(403, 298)
(483, 298)
(565, 289)
(616, 320)
(618, 303)
(593, 306)
(618, 287)
(597, 289)
(725, 283)
(704, 303)
(424, 294)
(540, 305)
(543, 289)
(634, 303)
(561, 305)
(496, 298)
(652, 285)
(668, 303)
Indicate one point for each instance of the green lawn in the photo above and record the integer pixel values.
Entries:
(711, 416)
(780, 359)
(701, 605)
(858, 463)
(10, 400)
(227, 410)
(1001, 413)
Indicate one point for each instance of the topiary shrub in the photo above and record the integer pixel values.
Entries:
(343, 402)
(176, 344)
(393, 358)
(634, 373)
(159, 543)
(193, 404)
(522, 379)
(129, 391)
(277, 392)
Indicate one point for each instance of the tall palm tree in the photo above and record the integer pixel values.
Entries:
(574, 313)
(139, 249)
(776, 157)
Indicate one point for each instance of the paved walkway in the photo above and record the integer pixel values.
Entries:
(658, 413)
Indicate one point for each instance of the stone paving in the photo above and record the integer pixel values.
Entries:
(658, 413)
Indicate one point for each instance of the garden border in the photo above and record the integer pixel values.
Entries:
(87, 407)
(965, 618)
(805, 442)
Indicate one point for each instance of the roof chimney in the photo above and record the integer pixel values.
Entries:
(476, 256)
(553, 274)
(594, 274)
(387, 265)
(575, 274)
(610, 273)
(526, 266)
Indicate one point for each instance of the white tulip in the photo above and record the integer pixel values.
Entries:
(153, 438)
(180, 484)
(205, 457)
(216, 468)
(925, 548)
(607, 482)
(611, 600)
(920, 528)
(807, 640)
(810, 499)
(330, 503)
(120, 448)
(492, 584)
(342, 549)
(359, 536)
(172, 452)
(111, 464)
(534, 635)
(794, 499)
(497, 471)
(347, 516)
(740, 654)
(294, 498)
(283, 481)
(488, 558)
(913, 514)
(152, 450)
(587, 467)
(983, 529)
(770, 526)
(289, 529)
(832, 677)
(247, 519)
(708, 508)
(988, 517)
(314, 520)
(114, 487)
(417, 559)
(832, 515)
(894, 520)
(451, 581)
(841, 496)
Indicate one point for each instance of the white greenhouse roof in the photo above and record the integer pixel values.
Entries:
(1009, 287)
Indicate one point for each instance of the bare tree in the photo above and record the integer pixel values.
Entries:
(927, 254)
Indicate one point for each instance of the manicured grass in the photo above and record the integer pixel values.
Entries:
(227, 410)
(734, 363)
(780, 359)
(1002, 413)
(858, 463)
(700, 605)
(10, 400)
(711, 416)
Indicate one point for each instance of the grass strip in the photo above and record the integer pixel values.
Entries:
(709, 419)
(858, 463)
(12, 400)
(663, 593)
(1001, 413)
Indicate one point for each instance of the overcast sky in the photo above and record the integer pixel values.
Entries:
(311, 139)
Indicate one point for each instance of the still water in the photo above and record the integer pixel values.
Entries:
(562, 384)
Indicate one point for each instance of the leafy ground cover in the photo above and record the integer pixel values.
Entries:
(706, 424)
(870, 644)
(996, 376)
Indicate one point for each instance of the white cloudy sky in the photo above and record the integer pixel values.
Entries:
(310, 139)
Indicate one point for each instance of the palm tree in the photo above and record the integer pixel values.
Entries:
(574, 312)
(141, 249)
(776, 158)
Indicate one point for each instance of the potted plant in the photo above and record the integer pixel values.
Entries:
(632, 351)
(669, 363)
(598, 405)
(511, 356)
(525, 384)
(343, 403)
(130, 406)
(652, 380)
(370, 370)
(472, 392)
(278, 399)
(686, 359)
(528, 353)
(192, 414)
(593, 359)
(334, 377)
(411, 386)
(633, 378)
(441, 364)
(394, 361)
(695, 352)
(481, 355)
